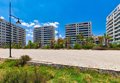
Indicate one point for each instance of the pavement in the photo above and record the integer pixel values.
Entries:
(102, 59)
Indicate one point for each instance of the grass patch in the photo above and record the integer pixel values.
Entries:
(10, 73)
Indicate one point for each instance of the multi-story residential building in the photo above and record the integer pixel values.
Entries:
(18, 34)
(113, 24)
(44, 35)
(74, 29)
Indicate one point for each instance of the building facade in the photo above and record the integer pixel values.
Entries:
(72, 30)
(113, 25)
(44, 35)
(18, 34)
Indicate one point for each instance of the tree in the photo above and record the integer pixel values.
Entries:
(100, 38)
(67, 42)
(77, 46)
(81, 38)
(60, 42)
(106, 38)
(77, 38)
(30, 44)
(52, 42)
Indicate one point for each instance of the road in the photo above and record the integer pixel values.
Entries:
(109, 59)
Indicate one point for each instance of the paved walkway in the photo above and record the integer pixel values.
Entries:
(84, 58)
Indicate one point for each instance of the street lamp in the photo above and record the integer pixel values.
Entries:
(18, 22)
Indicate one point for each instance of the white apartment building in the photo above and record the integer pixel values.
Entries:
(74, 29)
(113, 25)
(18, 34)
(44, 35)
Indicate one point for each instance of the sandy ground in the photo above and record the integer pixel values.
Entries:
(84, 58)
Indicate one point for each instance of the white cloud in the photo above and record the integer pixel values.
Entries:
(32, 24)
(1, 17)
(37, 25)
(56, 32)
(31, 31)
(27, 30)
(28, 24)
(36, 21)
(60, 36)
(54, 24)
(29, 35)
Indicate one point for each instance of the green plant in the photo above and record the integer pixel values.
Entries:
(9, 63)
(50, 74)
(56, 46)
(24, 59)
(88, 46)
(77, 46)
(46, 47)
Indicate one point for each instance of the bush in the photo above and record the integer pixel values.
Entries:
(24, 59)
(99, 48)
(115, 45)
(56, 46)
(46, 47)
(77, 46)
(88, 46)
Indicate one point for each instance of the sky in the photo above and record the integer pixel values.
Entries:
(58, 13)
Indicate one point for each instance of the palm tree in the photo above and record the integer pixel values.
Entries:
(90, 40)
(100, 38)
(30, 44)
(106, 38)
(77, 38)
(67, 42)
(82, 39)
(61, 42)
(52, 42)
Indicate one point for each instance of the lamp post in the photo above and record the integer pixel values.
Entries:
(18, 22)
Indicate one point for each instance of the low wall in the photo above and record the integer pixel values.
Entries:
(104, 71)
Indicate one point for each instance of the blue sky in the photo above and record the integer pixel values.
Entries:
(59, 12)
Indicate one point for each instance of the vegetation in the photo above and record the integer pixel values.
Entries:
(12, 73)
(81, 43)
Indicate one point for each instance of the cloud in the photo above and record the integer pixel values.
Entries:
(1, 17)
(27, 24)
(29, 35)
(36, 21)
(58, 35)
(27, 30)
(37, 25)
(54, 24)
(56, 32)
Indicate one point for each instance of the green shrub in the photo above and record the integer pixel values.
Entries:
(114, 45)
(24, 59)
(46, 47)
(56, 46)
(88, 46)
(99, 48)
(77, 46)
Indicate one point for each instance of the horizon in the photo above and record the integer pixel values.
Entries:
(58, 14)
